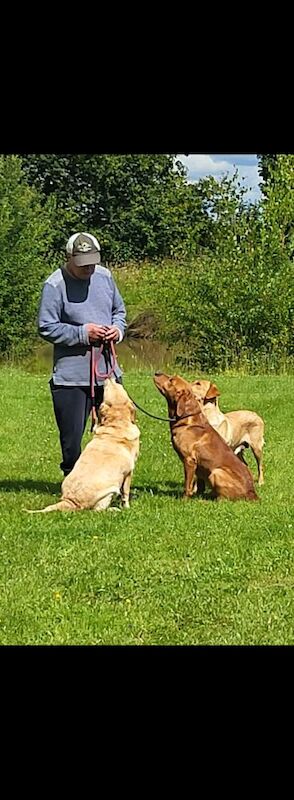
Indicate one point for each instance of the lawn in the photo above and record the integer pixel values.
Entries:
(164, 572)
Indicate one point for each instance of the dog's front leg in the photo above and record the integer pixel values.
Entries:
(190, 488)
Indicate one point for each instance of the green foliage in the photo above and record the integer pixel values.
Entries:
(224, 212)
(137, 205)
(266, 166)
(278, 202)
(278, 208)
(25, 242)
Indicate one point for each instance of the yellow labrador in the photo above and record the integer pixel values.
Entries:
(106, 465)
(239, 429)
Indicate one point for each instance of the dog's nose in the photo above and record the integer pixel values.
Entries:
(158, 373)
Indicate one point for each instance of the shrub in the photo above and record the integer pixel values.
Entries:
(25, 257)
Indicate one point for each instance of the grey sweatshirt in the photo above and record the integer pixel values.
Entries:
(67, 305)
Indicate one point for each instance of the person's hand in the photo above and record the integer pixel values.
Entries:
(96, 332)
(112, 334)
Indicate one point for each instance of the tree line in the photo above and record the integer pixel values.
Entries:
(142, 209)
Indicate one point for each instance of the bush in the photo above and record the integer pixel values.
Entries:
(219, 313)
(25, 257)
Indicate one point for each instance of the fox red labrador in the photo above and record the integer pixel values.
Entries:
(205, 455)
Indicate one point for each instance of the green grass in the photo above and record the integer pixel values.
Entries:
(164, 572)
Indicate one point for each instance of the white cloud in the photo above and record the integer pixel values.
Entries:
(201, 165)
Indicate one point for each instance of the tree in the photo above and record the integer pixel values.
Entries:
(224, 213)
(278, 206)
(266, 165)
(137, 205)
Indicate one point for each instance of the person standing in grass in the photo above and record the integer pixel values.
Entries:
(80, 306)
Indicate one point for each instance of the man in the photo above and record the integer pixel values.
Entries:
(80, 306)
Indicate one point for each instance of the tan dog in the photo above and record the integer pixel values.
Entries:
(239, 429)
(200, 447)
(106, 465)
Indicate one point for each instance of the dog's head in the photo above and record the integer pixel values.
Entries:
(187, 404)
(116, 405)
(114, 393)
(172, 387)
(205, 391)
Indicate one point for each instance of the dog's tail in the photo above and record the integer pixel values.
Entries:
(63, 505)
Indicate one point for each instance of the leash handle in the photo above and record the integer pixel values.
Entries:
(109, 351)
(107, 355)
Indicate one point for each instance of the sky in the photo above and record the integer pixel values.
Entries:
(200, 165)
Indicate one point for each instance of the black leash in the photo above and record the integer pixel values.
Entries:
(162, 419)
(165, 419)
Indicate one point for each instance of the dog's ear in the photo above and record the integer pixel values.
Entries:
(181, 406)
(212, 392)
(187, 404)
(132, 410)
(102, 411)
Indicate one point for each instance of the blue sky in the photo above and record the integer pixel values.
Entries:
(201, 165)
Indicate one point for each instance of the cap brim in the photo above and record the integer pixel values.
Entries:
(84, 259)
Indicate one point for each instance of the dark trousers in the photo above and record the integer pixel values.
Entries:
(72, 406)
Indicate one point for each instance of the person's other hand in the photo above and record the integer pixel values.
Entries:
(96, 332)
(112, 334)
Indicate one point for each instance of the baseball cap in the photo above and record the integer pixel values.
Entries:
(84, 249)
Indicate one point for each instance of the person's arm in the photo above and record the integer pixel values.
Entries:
(50, 326)
(119, 322)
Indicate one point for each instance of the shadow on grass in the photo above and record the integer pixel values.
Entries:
(170, 489)
(30, 486)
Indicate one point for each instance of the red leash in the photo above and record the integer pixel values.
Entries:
(107, 348)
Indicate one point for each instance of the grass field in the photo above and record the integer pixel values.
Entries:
(164, 572)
